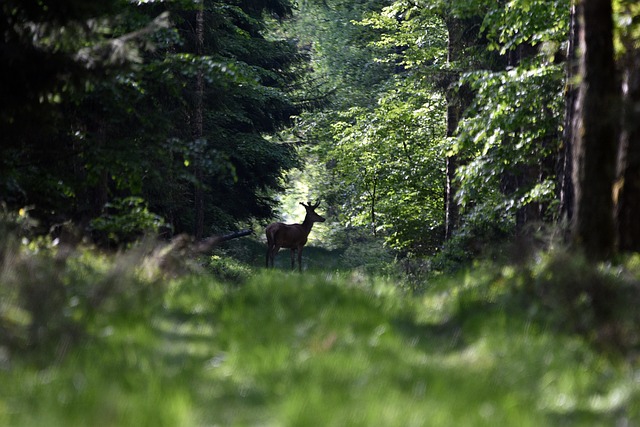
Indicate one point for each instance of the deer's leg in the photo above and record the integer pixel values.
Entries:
(268, 254)
(273, 253)
(300, 259)
(293, 254)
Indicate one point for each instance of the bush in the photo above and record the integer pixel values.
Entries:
(481, 235)
(562, 291)
(597, 301)
(228, 269)
(51, 296)
(370, 256)
(124, 221)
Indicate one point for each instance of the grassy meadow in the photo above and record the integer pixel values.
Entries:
(233, 344)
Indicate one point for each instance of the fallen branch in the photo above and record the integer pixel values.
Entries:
(175, 255)
(207, 244)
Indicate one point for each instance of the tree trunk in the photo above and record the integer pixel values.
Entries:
(627, 187)
(595, 132)
(455, 45)
(451, 211)
(198, 129)
(565, 160)
(462, 34)
(99, 191)
(373, 204)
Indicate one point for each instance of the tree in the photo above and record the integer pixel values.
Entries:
(565, 160)
(56, 54)
(385, 155)
(627, 186)
(246, 94)
(198, 124)
(460, 36)
(595, 131)
(129, 105)
(391, 161)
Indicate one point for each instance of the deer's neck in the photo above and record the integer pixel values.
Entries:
(307, 224)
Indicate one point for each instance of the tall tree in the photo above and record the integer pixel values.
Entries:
(454, 110)
(461, 34)
(127, 106)
(198, 125)
(56, 54)
(565, 159)
(627, 186)
(595, 131)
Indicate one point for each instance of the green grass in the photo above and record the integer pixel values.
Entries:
(328, 349)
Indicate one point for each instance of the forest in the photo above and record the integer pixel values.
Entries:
(472, 166)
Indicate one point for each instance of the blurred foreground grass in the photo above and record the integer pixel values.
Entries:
(330, 348)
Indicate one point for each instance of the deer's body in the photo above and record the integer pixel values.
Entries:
(291, 236)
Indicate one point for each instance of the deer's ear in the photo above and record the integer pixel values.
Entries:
(304, 205)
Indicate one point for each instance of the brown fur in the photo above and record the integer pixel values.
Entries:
(291, 236)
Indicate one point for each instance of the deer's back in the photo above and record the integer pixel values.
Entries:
(286, 235)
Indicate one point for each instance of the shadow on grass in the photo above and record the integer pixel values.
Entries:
(350, 349)
(322, 349)
(335, 349)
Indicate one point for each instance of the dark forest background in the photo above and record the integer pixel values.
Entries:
(477, 163)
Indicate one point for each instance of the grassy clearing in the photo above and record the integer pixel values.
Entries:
(330, 348)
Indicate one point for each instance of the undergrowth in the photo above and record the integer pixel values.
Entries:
(96, 339)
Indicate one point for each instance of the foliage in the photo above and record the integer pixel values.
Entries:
(344, 67)
(625, 16)
(379, 143)
(125, 221)
(413, 39)
(384, 155)
(228, 270)
(53, 297)
(116, 100)
(481, 237)
(105, 99)
(391, 160)
(526, 22)
(511, 134)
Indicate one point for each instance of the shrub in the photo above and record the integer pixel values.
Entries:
(598, 301)
(124, 221)
(228, 269)
(480, 236)
(52, 296)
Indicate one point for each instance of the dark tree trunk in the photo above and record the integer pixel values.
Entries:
(455, 29)
(627, 187)
(595, 134)
(198, 129)
(462, 34)
(565, 158)
(98, 192)
(374, 189)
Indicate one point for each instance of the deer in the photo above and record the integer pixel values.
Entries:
(291, 236)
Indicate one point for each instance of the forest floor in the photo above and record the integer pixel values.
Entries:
(328, 348)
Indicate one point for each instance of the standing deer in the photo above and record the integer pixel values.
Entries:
(291, 236)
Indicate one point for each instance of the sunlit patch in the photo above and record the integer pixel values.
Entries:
(477, 356)
(615, 399)
(435, 307)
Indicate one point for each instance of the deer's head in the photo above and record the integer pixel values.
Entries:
(311, 212)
